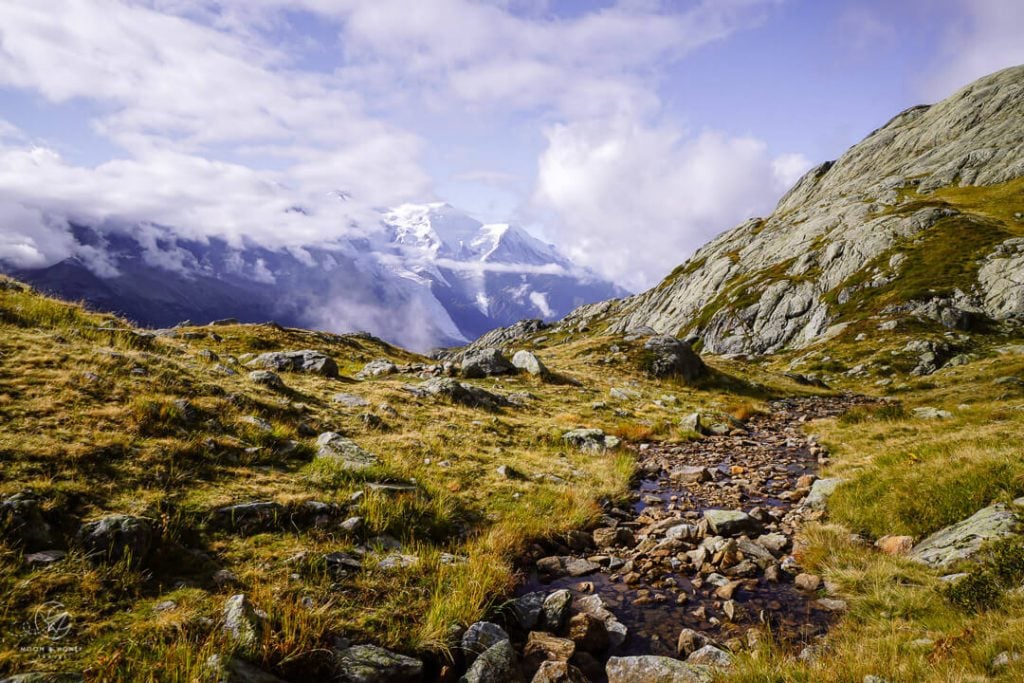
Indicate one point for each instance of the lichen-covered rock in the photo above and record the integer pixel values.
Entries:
(479, 637)
(345, 452)
(648, 668)
(497, 663)
(306, 360)
(117, 537)
(963, 540)
(556, 609)
(372, 664)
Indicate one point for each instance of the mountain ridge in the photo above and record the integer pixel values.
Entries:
(430, 276)
(842, 243)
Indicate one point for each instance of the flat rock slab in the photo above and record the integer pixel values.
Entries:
(650, 668)
(962, 540)
(821, 490)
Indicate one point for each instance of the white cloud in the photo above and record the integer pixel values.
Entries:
(988, 38)
(635, 200)
(218, 135)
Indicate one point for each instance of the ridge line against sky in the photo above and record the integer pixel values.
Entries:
(627, 133)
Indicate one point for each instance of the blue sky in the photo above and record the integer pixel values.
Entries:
(628, 133)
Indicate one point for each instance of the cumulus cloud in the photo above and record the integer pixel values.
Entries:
(635, 200)
(988, 38)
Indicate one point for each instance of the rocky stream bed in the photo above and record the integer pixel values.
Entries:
(665, 588)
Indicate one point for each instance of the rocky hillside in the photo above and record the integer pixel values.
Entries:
(924, 217)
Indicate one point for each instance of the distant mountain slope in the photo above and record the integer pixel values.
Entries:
(430, 276)
(925, 216)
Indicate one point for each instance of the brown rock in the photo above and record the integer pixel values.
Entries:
(808, 582)
(690, 641)
(895, 545)
(542, 646)
(559, 672)
(589, 633)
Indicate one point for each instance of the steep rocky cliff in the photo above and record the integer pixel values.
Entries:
(924, 217)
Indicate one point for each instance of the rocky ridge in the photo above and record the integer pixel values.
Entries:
(856, 236)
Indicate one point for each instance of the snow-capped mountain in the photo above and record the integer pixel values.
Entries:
(430, 275)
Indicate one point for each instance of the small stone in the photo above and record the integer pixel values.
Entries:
(44, 558)
(267, 379)
(578, 566)
(808, 582)
(350, 400)
(895, 545)
(691, 475)
(559, 672)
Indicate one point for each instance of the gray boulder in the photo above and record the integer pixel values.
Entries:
(590, 440)
(666, 356)
(555, 610)
(480, 637)
(116, 537)
(497, 663)
(649, 668)
(485, 363)
(377, 368)
(22, 521)
(306, 360)
(528, 362)
(963, 540)
(458, 392)
(266, 378)
(731, 522)
(693, 423)
(372, 664)
(527, 610)
(345, 452)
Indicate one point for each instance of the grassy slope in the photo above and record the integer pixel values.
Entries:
(909, 476)
(115, 441)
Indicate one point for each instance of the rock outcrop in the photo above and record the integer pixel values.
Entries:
(858, 234)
